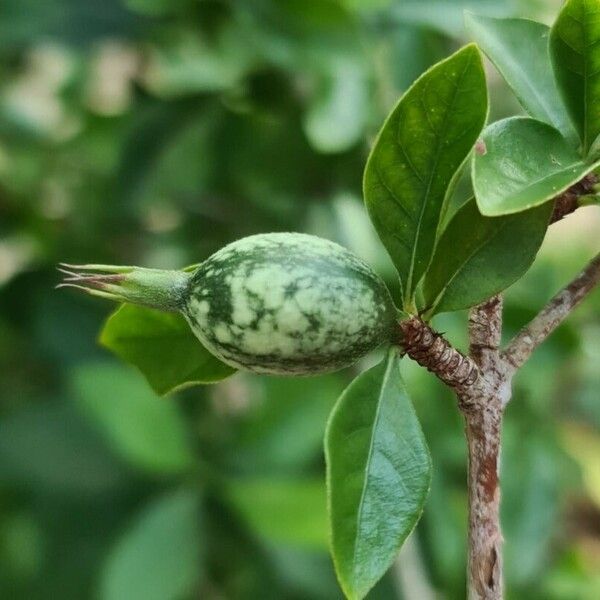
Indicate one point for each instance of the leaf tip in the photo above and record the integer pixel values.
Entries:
(471, 48)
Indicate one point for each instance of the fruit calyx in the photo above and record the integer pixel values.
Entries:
(154, 288)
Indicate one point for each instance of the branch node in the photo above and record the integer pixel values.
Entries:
(437, 355)
(485, 331)
(568, 201)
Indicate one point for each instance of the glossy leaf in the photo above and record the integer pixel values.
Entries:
(145, 430)
(162, 346)
(378, 475)
(290, 512)
(159, 556)
(477, 257)
(575, 52)
(522, 163)
(418, 152)
(519, 50)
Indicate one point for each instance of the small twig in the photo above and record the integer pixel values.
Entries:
(552, 315)
(568, 201)
(432, 351)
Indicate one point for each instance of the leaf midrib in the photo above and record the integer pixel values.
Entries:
(390, 362)
(529, 184)
(425, 197)
(553, 193)
(581, 22)
(584, 55)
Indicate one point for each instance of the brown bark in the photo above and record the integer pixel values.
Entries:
(481, 385)
(484, 571)
(429, 348)
(483, 406)
(485, 332)
(568, 201)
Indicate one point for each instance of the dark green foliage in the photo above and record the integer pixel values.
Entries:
(378, 475)
(152, 132)
(417, 155)
(519, 50)
(140, 335)
(523, 163)
(575, 57)
(478, 256)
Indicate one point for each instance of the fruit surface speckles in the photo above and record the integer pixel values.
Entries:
(288, 303)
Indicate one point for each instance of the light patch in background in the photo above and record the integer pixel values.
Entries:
(16, 254)
(114, 66)
(33, 98)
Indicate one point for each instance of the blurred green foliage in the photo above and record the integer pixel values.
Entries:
(153, 132)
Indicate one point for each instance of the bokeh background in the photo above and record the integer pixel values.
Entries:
(152, 132)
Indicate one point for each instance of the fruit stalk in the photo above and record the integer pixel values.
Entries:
(436, 354)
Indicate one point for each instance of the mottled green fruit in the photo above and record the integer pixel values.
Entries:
(288, 303)
(282, 303)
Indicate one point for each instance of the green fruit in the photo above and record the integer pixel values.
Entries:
(288, 303)
(281, 303)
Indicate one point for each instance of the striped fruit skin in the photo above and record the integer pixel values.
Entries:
(288, 304)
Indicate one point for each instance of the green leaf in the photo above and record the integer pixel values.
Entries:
(378, 475)
(575, 53)
(477, 257)
(416, 157)
(159, 556)
(147, 431)
(293, 513)
(162, 346)
(522, 163)
(519, 50)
